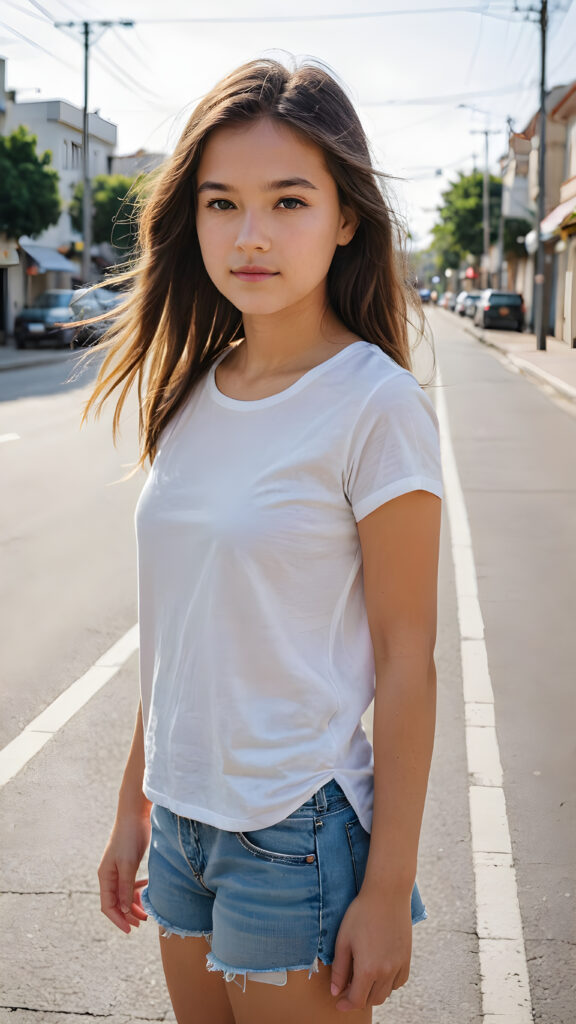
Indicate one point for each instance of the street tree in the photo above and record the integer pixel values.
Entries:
(460, 228)
(29, 197)
(114, 209)
(460, 232)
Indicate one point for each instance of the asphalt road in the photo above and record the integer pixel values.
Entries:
(68, 591)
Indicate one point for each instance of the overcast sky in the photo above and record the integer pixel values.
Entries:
(406, 65)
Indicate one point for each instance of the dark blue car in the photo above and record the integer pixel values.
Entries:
(37, 322)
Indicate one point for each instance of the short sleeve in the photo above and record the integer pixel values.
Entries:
(394, 447)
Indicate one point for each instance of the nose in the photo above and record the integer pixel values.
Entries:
(252, 234)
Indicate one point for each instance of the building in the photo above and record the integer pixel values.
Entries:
(518, 270)
(560, 224)
(132, 164)
(520, 198)
(58, 128)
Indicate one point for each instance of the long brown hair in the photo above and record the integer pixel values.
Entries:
(175, 322)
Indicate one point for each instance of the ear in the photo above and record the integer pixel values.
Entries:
(348, 225)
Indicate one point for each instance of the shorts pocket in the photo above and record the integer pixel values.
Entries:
(359, 843)
(289, 842)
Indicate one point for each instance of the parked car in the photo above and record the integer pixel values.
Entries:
(447, 300)
(37, 323)
(500, 309)
(461, 300)
(424, 294)
(470, 303)
(86, 303)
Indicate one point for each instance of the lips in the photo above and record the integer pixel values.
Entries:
(255, 270)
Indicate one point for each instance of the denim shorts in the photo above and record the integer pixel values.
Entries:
(268, 901)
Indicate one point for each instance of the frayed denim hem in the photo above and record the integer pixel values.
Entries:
(271, 975)
(170, 929)
(421, 917)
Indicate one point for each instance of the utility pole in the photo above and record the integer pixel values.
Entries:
(485, 204)
(86, 26)
(86, 194)
(539, 278)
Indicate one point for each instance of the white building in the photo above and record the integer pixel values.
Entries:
(58, 128)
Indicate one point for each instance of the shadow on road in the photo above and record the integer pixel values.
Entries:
(56, 373)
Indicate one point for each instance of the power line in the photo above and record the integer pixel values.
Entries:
(448, 98)
(87, 27)
(476, 48)
(43, 10)
(119, 73)
(37, 46)
(340, 16)
(23, 10)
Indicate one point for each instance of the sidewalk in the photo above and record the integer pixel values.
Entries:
(555, 366)
(12, 358)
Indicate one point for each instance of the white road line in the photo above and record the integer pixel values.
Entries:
(9, 437)
(22, 749)
(505, 983)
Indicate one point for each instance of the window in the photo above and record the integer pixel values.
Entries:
(76, 160)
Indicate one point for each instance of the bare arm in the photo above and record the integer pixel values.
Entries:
(131, 799)
(400, 543)
(400, 548)
(404, 723)
(128, 842)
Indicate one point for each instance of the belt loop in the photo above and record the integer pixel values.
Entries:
(321, 802)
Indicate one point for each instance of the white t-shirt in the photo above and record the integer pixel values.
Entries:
(256, 662)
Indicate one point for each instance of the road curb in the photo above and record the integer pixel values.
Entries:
(566, 390)
(526, 366)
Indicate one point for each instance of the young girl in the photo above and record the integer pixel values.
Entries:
(288, 536)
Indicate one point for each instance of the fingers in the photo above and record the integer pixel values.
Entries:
(341, 967)
(123, 920)
(355, 996)
(366, 990)
(126, 879)
(120, 896)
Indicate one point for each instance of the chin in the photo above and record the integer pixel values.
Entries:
(255, 307)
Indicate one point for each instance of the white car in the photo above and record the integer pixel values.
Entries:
(466, 301)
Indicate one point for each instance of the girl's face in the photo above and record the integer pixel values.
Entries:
(250, 212)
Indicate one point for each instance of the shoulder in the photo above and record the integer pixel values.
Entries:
(381, 385)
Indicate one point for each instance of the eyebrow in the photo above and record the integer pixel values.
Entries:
(270, 186)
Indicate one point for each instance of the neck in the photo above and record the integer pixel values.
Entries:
(288, 340)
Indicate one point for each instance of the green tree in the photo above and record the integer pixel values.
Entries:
(114, 209)
(460, 229)
(29, 196)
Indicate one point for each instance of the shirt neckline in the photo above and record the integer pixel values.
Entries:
(279, 396)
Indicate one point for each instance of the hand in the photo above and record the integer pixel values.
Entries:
(373, 950)
(119, 890)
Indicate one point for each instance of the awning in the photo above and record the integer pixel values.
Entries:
(554, 219)
(46, 258)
